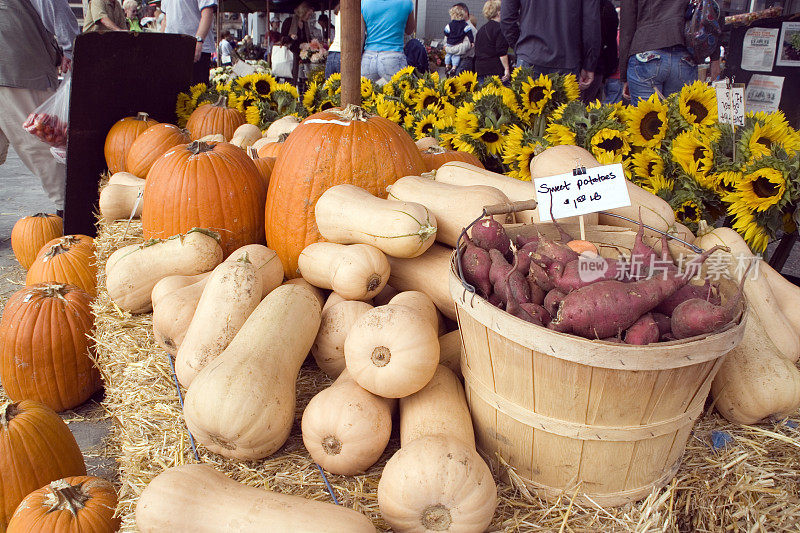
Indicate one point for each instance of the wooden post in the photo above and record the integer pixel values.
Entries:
(350, 26)
(217, 26)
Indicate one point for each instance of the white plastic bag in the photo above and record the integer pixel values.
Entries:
(49, 121)
(282, 61)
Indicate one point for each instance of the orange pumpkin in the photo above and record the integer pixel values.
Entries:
(436, 156)
(80, 504)
(272, 149)
(264, 166)
(151, 145)
(209, 119)
(44, 349)
(120, 138)
(33, 232)
(68, 259)
(36, 447)
(331, 148)
(205, 185)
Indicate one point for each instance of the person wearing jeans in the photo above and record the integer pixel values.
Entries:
(665, 70)
(333, 63)
(384, 23)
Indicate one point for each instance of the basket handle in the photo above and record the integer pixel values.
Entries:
(513, 207)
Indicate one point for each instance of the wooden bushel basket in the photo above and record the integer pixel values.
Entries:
(581, 417)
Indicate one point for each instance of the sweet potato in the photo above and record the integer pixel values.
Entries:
(525, 240)
(551, 301)
(475, 264)
(569, 277)
(688, 292)
(606, 308)
(513, 289)
(643, 331)
(663, 323)
(699, 317)
(642, 256)
(536, 311)
(554, 251)
(538, 276)
(489, 234)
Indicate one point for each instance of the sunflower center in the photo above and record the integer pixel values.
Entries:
(698, 154)
(490, 137)
(697, 109)
(689, 212)
(651, 168)
(651, 125)
(326, 105)
(429, 101)
(262, 87)
(765, 188)
(535, 94)
(764, 141)
(613, 144)
(427, 128)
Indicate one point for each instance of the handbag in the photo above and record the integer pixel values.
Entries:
(702, 30)
(282, 60)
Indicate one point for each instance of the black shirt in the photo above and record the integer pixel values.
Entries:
(561, 34)
(490, 45)
(608, 63)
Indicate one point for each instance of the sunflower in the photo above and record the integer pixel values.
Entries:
(310, 97)
(409, 97)
(389, 109)
(263, 84)
(196, 90)
(694, 156)
(466, 119)
(558, 134)
(403, 73)
(467, 80)
(571, 88)
(744, 222)
(451, 87)
(535, 95)
(519, 148)
(462, 143)
(648, 167)
(725, 181)
(762, 188)
(427, 98)
(183, 107)
(647, 122)
(609, 142)
(326, 104)
(367, 89)
(764, 135)
(491, 138)
(424, 127)
(253, 115)
(287, 88)
(697, 104)
(688, 213)
(244, 84)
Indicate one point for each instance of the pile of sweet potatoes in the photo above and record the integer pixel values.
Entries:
(540, 280)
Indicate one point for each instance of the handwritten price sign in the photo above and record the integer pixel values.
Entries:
(730, 104)
(600, 189)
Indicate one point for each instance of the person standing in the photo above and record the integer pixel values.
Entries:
(608, 62)
(295, 32)
(456, 31)
(29, 66)
(385, 22)
(333, 63)
(491, 47)
(652, 53)
(193, 17)
(103, 15)
(554, 36)
(466, 49)
(226, 51)
(131, 8)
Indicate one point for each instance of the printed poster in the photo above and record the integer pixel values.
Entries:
(763, 93)
(758, 49)
(789, 45)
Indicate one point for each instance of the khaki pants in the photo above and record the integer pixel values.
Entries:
(15, 106)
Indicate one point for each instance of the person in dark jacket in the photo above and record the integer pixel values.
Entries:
(295, 31)
(608, 62)
(416, 55)
(554, 36)
(652, 55)
(491, 47)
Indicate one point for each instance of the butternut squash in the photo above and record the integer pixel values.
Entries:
(245, 135)
(281, 128)
(786, 293)
(392, 351)
(422, 304)
(347, 214)
(355, 271)
(172, 283)
(346, 428)
(197, 498)
(259, 143)
(337, 320)
(655, 212)
(560, 160)
(117, 202)
(453, 206)
(450, 351)
(428, 273)
(760, 298)
(242, 405)
(232, 292)
(173, 313)
(319, 293)
(682, 232)
(133, 271)
(268, 267)
(125, 178)
(440, 407)
(755, 381)
(437, 483)
(333, 299)
(426, 142)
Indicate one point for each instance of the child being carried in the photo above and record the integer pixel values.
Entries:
(456, 32)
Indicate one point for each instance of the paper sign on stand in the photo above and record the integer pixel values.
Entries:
(758, 49)
(730, 103)
(763, 93)
(242, 68)
(598, 189)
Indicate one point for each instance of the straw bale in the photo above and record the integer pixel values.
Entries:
(753, 484)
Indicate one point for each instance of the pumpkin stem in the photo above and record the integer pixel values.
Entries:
(65, 497)
(253, 152)
(198, 147)
(52, 290)
(141, 115)
(42, 215)
(8, 411)
(436, 518)
(204, 231)
(352, 112)
(381, 356)
(332, 445)
(436, 150)
(222, 101)
(244, 259)
(283, 136)
(373, 282)
(61, 247)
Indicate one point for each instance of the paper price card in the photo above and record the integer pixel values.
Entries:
(730, 103)
(600, 189)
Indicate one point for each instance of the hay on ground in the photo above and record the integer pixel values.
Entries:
(753, 484)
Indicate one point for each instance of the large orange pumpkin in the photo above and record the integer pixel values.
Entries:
(436, 156)
(205, 185)
(36, 447)
(151, 145)
(69, 259)
(209, 119)
(265, 165)
(120, 138)
(271, 149)
(78, 504)
(331, 148)
(33, 232)
(44, 349)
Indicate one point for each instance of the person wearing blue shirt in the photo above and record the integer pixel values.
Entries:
(385, 23)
